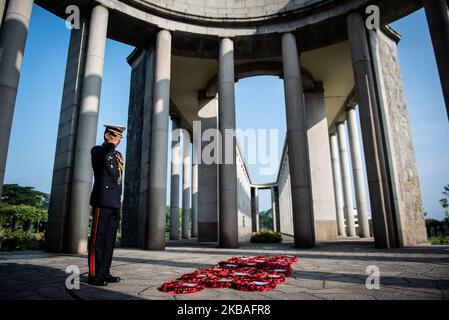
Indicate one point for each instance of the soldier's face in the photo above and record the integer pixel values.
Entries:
(111, 138)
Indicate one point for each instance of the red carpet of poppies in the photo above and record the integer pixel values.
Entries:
(239, 273)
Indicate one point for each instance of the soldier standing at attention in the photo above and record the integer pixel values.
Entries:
(108, 166)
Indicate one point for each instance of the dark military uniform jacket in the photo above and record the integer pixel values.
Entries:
(108, 168)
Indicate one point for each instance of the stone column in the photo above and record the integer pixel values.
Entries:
(61, 186)
(135, 189)
(346, 181)
(146, 146)
(374, 146)
(357, 169)
(138, 147)
(228, 223)
(298, 149)
(320, 166)
(274, 211)
(338, 187)
(278, 209)
(155, 231)
(405, 195)
(208, 170)
(2, 11)
(255, 211)
(13, 37)
(194, 228)
(438, 19)
(186, 184)
(87, 132)
(175, 175)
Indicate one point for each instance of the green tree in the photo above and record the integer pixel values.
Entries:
(445, 201)
(445, 204)
(23, 205)
(167, 219)
(14, 194)
(8, 214)
(22, 214)
(434, 227)
(266, 220)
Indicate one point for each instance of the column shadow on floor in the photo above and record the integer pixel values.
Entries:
(34, 282)
(384, 280)
(324, 254)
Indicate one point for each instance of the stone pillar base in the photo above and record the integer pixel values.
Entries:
(207, 231)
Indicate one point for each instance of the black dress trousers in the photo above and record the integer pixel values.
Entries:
(105, 223)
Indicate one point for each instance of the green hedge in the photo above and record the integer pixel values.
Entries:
(20, 240)
(266, 236)
(439, 240)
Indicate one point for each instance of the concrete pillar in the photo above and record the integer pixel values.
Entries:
(403, 181)
(320, 166)
(12, 47)
(338, 187)
(228, 223)
(371, 124)
(278, 210)
(61, 186)
(146, 146)
(274, 210)
(438, 19)
(155, 231)
(194, 227)
(208, 170)
(87, 132)
(2, 11)
(138, 148)
(357, 169)
(348, 207)
(298, 149)
(186, 184)
(174, 186)
(255, 211)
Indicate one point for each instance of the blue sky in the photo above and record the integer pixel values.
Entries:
(33, 139)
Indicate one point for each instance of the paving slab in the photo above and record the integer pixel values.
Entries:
(331, 271)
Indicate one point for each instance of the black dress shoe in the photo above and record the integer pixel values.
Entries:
(111, 279)
(97, 282)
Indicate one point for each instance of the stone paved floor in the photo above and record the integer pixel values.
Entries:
(330, 271)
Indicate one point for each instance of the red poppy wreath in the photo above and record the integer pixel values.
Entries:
(240, 273)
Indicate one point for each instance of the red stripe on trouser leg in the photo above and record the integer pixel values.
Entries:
(92, 241)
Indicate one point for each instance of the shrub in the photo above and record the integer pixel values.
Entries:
(20, 240)
(439, 241)
(266, 236)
